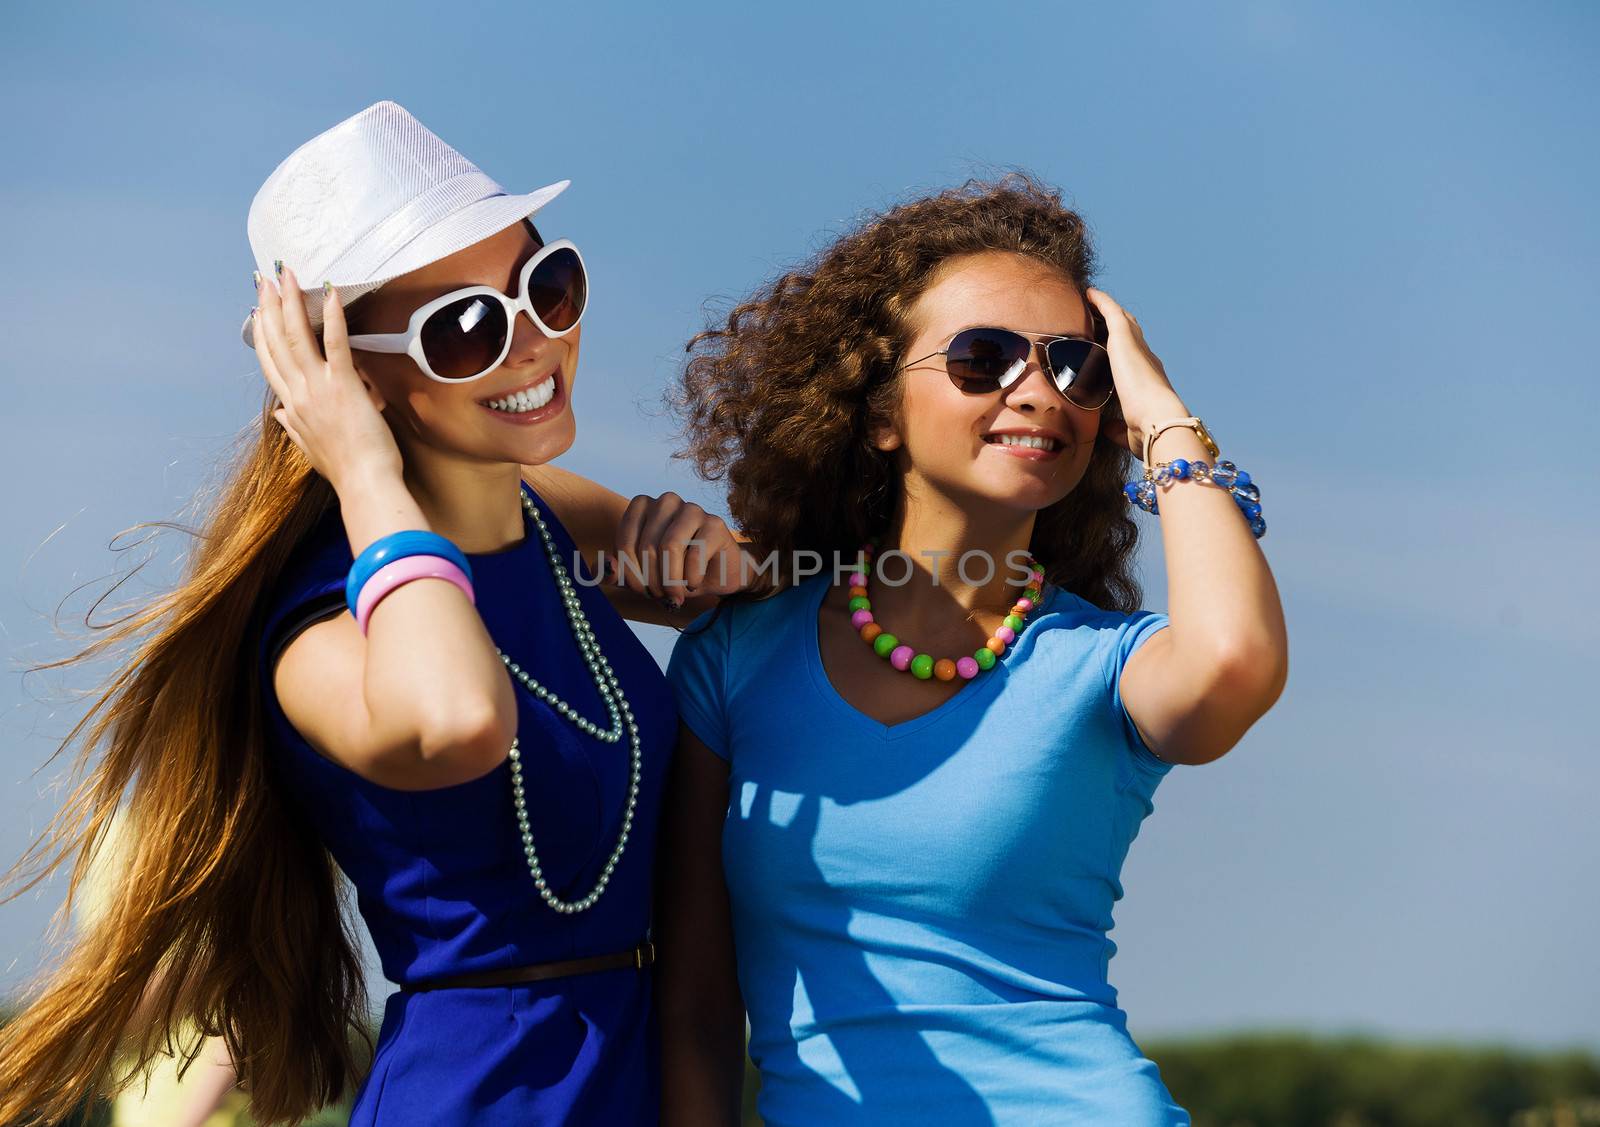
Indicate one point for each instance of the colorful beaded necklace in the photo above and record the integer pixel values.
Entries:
(921, 665)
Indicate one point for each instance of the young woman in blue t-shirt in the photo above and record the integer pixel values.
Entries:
(905, 788)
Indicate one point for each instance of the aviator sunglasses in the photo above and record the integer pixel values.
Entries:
(985, 360)
(465, 334)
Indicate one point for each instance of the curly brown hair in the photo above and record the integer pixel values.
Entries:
(782, 399)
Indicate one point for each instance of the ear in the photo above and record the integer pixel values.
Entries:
(884, 438)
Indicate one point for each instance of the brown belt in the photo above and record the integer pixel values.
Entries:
(638, 958)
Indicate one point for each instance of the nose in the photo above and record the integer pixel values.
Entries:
(527, 340)
(1035, 392)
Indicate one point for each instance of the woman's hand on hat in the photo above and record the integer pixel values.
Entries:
(328, 409)
(1143, 389)
(672, 550)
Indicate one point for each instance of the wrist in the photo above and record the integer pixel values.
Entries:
(1178, 442)
(1202, 442)
(372, 476)
(1168, 407)
(375, 506)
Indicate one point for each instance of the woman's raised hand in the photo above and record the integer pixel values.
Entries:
(1143, 389)
(328, 409)
(673, 550)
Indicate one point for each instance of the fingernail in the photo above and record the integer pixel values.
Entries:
(254, 309)
(255, 276)
(327, 288)
(277, 266)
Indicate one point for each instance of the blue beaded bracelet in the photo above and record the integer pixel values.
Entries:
(1225, 475)
(397, 546)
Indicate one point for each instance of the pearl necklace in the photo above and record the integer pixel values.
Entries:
(605, 679)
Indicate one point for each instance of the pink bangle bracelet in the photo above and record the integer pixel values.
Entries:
(402, 571)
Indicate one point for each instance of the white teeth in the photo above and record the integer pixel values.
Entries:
(523, 401)
(1034, 441)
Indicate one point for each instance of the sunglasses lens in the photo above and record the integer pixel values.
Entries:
(981, 360)
(1083, 371)
(558, 289)
(465, 338)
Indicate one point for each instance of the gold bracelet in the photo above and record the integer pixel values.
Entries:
(1189, 421)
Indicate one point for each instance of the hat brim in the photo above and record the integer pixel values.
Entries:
(457, 231)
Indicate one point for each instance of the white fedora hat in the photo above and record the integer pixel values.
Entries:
(374, 197)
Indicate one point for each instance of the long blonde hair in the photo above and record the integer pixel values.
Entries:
(229, 920)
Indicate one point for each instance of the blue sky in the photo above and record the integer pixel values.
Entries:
(1360, 236)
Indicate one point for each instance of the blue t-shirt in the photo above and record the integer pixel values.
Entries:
(920, 909)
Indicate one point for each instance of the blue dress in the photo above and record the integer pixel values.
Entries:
(443, 885)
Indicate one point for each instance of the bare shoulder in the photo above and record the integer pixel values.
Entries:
(589, 511)
(318, 681)
(574, 497)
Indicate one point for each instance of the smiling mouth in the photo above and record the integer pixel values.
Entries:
(524, 400)
(1029, 441)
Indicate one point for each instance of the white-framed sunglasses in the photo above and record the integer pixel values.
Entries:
(465, 334)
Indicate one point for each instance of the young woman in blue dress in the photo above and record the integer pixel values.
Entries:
(388, 655)
(906, 786)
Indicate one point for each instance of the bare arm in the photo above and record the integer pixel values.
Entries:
(697, 989)
(206, 1085)
(422, 700)
(645, 530)
(592, 513)
(589, 510)
(1196, 687)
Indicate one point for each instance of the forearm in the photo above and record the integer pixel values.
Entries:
(206, 1085)
(702, 1071)
(699, 1003)
(1221, 597)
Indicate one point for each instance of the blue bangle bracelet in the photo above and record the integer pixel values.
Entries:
(397, 546)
